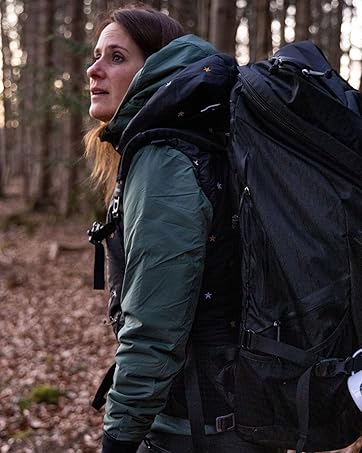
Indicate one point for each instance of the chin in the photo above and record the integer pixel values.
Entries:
(100, 115)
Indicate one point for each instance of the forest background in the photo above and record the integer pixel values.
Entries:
(54, 346)
(46, 47)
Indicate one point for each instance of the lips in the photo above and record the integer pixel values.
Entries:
(98, 91)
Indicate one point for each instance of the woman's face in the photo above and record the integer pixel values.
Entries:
(117, 59)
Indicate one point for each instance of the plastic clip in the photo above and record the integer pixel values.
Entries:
(331, 367)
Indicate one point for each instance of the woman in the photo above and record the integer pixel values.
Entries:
(172, 263)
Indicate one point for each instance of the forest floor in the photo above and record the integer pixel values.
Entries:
(55, 347)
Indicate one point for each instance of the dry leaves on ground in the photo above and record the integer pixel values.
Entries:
(55, 347)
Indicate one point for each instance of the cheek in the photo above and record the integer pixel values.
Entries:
(122, 84)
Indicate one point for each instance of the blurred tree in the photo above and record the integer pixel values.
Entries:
(281, 16)
(203, 17)
(186, 12)
(303, 19)
(77, 83)
(334, 52)
(29, 143)
(48, 100)
(157, 4)
(259, 25)
(316, 21)
(324, 24)
(223, 25)
(2, 162)
(325, 28)
(102, 5)
(45, 78)
(6, 82)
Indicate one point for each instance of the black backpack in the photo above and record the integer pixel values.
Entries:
(296, 148)
(296, 151)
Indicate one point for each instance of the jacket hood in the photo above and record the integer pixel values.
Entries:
(158, 69)
(197, 100)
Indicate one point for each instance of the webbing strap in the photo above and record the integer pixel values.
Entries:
(253, 341)
(97, 233)
(299, 357)
(302, 399)
(194, 404)
(101, 394)
(98, 275)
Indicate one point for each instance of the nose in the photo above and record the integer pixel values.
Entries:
(95, 70)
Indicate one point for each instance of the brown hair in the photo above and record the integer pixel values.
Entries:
(150, 30)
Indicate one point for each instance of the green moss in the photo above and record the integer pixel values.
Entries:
(45, 394)
(23, 404)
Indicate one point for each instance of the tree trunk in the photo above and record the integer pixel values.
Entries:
(185, 12)
(71, 194)
(223, 25)
(282, 13)
(43, 197)
(335, 52)
(156, 4)
(102, 6)
(324, 24)
(6, 80)
(203, 18)
(260, 42)
(29, 29)
(303, 19)
(317, 15)
(2, 161)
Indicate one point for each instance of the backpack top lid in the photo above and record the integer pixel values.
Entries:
(299, 100)
(308, 55)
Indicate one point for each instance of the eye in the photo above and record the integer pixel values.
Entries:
(117, 58)
(96, 57)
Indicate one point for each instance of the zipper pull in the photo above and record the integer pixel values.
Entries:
(277, 324)
(277, 63)
(246, 193)
(235, 218)
(309, 72)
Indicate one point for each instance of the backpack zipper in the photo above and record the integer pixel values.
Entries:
(271, 113)
(246, 204)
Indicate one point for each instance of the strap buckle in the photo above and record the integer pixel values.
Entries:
(98, 232)
(93, 231)
(332, 367)
(225, 423)
(246, 336)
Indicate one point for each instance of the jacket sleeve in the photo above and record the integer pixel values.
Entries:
(166, 221)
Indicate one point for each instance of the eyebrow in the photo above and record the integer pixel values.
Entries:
(111, 47)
